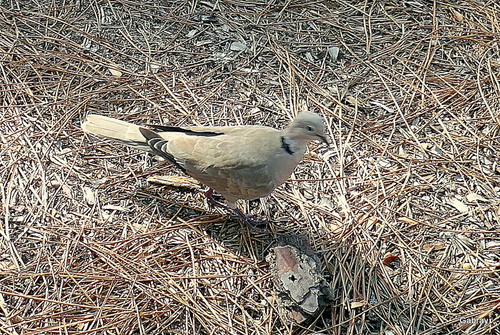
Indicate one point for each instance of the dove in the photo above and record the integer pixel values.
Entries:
(238, 162)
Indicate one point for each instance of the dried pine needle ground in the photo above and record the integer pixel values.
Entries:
(403, 207)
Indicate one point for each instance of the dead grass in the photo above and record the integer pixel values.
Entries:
(412, 179)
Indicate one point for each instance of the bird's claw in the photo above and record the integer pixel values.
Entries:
(213, 198)
(250, 220)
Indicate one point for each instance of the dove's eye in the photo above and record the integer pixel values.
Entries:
(309, 128)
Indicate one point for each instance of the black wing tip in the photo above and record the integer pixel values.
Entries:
(173, 129)
(148, 134)
(156, 143)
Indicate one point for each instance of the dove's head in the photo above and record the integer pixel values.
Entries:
(307, 126)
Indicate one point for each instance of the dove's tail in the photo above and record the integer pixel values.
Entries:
(125, 132)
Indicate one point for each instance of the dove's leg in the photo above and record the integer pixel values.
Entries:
(249, 221)
(209, 193)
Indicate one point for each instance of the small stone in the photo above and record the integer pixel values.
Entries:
(333, 52)
(238, 46)
(89, 196)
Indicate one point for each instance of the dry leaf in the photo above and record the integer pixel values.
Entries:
(7, 266)
(434, 246)
(67, 190)
(371, 222)
(407, 220)
(191, 33)
(115, 208)
(425, 146)
(357, 304)
(457, 16)
(352, 100)
(402, 152)
(389, 258)
(89, 196)
(474, 197)
(54, 183)
(115, 73)
(462, 208)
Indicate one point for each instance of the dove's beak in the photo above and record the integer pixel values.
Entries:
(323, 139)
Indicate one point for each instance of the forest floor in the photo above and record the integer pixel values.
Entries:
(403, 207)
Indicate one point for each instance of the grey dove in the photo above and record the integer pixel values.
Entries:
(238, 162)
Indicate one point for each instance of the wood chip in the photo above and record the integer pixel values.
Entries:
(301, 285)
(176, 181)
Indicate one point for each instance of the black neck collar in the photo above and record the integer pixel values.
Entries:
(286, 146)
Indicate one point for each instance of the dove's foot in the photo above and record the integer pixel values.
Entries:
(213, 198)
(250, 220)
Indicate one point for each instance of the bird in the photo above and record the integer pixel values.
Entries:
(237, 162)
